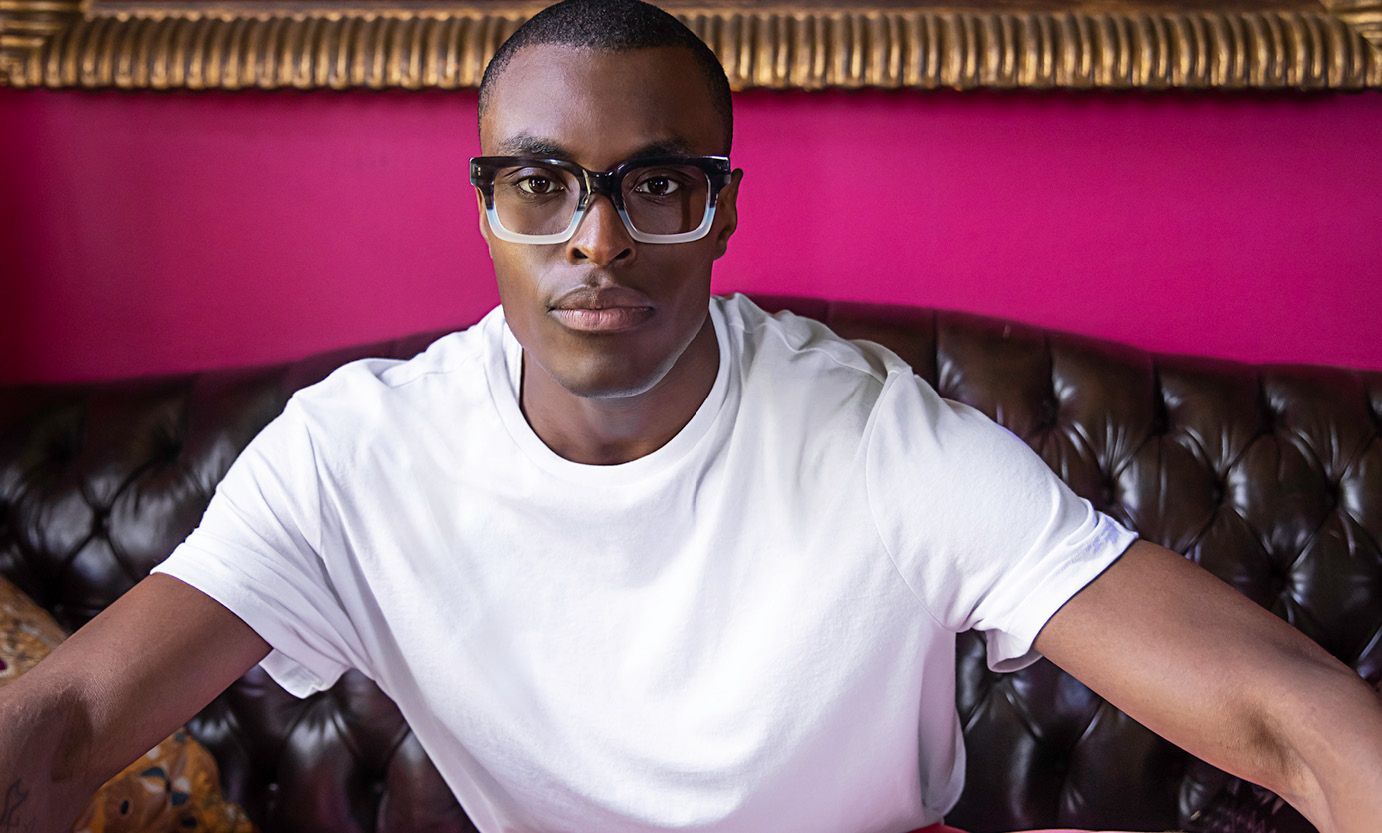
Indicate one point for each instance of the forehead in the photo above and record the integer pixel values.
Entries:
(600, 106)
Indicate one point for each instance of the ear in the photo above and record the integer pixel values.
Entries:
(484, 222)
(727, 210)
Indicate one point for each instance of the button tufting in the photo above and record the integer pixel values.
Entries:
(1050, 410)
(1161, 418)
(60, 451)
(171, 449)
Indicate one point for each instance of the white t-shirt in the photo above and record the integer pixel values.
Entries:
(751, 628)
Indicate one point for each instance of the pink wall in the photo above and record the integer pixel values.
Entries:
(152, 232)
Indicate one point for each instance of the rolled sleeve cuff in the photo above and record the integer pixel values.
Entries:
(293, 662)
(1011, 648)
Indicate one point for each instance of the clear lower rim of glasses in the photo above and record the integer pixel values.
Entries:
(503, 233)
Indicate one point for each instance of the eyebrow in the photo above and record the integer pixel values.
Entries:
(527, 145)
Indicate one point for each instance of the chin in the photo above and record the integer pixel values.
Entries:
(608, 378)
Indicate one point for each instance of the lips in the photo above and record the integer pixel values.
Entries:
(602, 309)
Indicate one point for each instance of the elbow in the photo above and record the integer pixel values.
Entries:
(1322, 736)
(46, 734)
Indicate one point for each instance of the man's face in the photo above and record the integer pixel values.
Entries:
(598, 108)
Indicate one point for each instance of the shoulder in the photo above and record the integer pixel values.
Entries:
(797, 371)
(789, 347)
(915, 435)
(381, 392)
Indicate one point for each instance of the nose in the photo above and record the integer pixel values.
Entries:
(601, 238)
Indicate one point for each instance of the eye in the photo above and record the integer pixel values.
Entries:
(658, 186)
(538, 185)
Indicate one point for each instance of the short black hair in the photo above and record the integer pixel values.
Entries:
(613, 25)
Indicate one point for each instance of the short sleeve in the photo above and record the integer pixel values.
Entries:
(256, 551)
(985, 534)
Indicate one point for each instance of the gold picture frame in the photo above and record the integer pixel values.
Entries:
(1009, 44)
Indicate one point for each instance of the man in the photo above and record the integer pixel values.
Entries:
(630, 558)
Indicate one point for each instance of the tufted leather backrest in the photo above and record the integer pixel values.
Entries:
(1270, 477)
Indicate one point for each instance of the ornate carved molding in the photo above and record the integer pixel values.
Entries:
(27, 25)
(268, 44)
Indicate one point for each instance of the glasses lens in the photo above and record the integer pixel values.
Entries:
(666, 199)
(535, 199)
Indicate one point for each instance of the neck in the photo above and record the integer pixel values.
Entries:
(611, 431)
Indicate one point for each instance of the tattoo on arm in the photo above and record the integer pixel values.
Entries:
(11, 819)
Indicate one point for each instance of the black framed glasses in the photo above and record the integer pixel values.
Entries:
(661, 199)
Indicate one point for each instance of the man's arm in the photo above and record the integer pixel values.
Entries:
(1206, 668)
(114, 689)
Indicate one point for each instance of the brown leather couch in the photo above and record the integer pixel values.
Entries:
(1270, 477)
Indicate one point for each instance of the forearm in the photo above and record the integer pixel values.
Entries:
(1330, 733)
(111, 691)
(43, 787)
